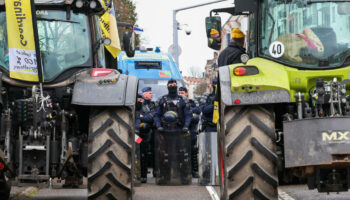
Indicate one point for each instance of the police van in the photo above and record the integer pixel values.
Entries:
(153, 68)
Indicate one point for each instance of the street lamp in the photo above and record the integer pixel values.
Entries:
(175, 27)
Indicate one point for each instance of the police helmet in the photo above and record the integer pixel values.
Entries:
(170, 117)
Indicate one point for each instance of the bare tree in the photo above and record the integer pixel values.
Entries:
(200, 89)
(194, 72)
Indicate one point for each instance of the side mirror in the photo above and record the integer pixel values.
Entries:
(129, 42)
(344, 8)
(213, 23)
(213, 31)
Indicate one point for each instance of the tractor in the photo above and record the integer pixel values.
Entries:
(284, 111)
(77, 124)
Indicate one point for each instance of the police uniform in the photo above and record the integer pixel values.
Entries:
(172, 117)
(196, 111)
(208, 111)
(144, 125)
(173, 112)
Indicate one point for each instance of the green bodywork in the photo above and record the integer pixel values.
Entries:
(275, 76)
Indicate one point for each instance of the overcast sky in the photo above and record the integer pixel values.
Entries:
(156, 18)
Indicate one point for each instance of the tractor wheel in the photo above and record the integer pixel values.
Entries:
(111, 154)
(247, 153)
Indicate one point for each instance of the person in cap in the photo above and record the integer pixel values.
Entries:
(173, 111)
(196, 111)
(232, 53)
(144, 125)
(193, 104)
(214, 41)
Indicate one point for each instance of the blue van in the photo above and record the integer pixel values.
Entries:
(152, 68)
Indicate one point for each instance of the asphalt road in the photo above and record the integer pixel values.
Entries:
(42, 192)
(151, 191)
(33, 193)
(301, 192)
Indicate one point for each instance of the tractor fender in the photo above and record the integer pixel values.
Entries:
(114, 89)
(248, 98)
(225, 85)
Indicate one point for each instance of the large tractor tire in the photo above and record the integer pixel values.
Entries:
(247, 153)
(111, 154)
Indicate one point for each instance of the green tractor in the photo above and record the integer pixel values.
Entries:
(285, 110)
(76, 125)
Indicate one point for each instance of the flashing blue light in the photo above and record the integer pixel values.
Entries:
(157, 49)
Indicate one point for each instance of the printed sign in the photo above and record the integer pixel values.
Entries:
(109, 28)
(22, 56)
(276, 49)
(336, 137)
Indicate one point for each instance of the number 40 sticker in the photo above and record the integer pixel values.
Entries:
(276, 49)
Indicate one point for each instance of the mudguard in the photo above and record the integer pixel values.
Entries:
(114, 89)
(248, 98)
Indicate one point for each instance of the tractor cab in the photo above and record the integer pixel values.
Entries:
(304, 34)
(70, 37)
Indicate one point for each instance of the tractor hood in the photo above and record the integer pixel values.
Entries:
(272, 82)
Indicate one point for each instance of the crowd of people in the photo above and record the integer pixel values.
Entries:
(173, 111)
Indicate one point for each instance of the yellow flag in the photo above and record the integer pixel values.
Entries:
(22, 57)
(110, 30)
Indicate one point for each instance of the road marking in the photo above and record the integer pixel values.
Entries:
(282, 195)
(212, 192)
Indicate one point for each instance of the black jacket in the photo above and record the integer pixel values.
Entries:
(214, 44)
(231, 55)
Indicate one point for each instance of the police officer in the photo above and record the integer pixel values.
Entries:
(173, 114)
(144, 124)
(208, 110)
(196, 111)
(173, 111)
(232, 53)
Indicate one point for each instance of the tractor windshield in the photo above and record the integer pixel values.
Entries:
(305, 34)
(63, 43)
